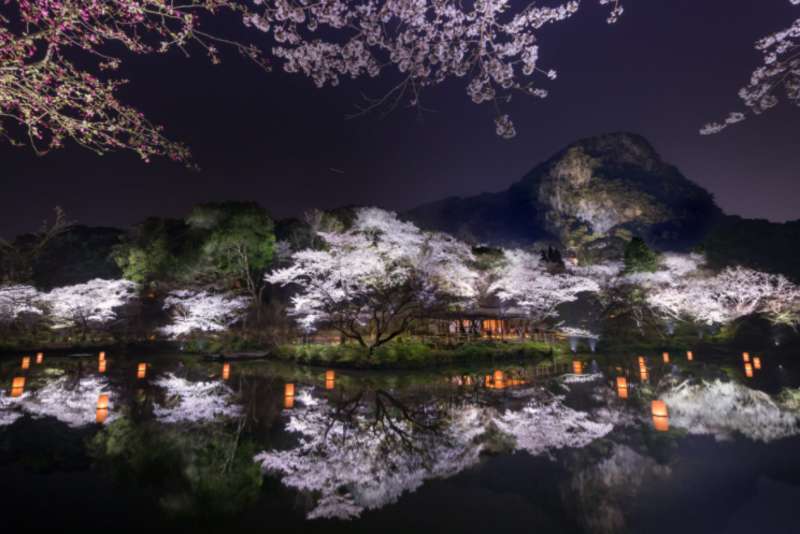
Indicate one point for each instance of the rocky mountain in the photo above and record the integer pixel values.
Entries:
(591, 197)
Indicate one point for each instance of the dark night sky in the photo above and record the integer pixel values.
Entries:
(666, 68)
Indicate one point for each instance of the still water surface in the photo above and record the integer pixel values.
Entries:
(159, 441)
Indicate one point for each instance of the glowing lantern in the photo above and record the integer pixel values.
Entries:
(641, 362)
(748, 370)
(660, 415)
(746, 357)
(226, 371)
(101, 366)
(102, 408)
(577, 367)
(498, 376)
(622, 387)
(757, 362)
(666, 357)
(643, 375)
(39, 358)
(141, 371)
(26, 362)
(17, 386)
(102, 356)
(330, 379)
(689, 355)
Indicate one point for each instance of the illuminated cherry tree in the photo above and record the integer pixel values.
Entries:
(92, 304)
(202, 311)
(492, 44)
(778, 72)
(16, 300)
(56, 57)
(733, 293)
(372, 281)
(521, 281)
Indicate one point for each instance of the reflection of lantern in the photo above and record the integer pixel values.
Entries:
(330, 379)
(666, 357)
(101, 366)
(102, 356)
(622, 387)
(141, 371)
(748, 370)
(757, 362)
(577, 367)
(39, 358)
(26, 362)
(643, 375)
(102, 408)
(660, 415)
(689, 355)
(17, 386)
(661, 424)
(226, 371)
(641, 362)
(288, 396)
(746, 357)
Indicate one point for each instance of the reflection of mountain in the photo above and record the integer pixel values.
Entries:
(723, 408)
(363, 457)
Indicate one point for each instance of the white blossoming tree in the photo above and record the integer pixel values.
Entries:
(93, 304)
(778, 72)
(522, 281)
(202, 311)
(371, 281)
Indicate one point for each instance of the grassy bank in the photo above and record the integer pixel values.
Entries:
(410, 354)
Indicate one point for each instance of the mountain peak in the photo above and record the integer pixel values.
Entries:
(593, 195)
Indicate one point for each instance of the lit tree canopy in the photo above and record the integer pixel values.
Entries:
(522, 281)
(202, 311)
(372, 280)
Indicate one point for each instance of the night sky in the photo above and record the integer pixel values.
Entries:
(664, 70)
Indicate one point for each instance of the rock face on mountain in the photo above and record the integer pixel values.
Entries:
(592, 197)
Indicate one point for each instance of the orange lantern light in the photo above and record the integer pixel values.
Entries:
(330, 379)
(689, 355)
(641, 362)
(498, 376)
(226, 371)
(17, 386)
(644, 376)
(102, 356)
(102, 408)
(141, 371)
(622, 387)
(577, 367)
(101, 366)
(746, 357)
(39, 358)
(666, 357)
(288, 402)
(757, 362)
(748, 370)
(288, 390)
(660, 415)
(26, 362)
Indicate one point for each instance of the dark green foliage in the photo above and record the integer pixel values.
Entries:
(552, 257)
(79, 254)
(755, 243)
(639, 257)
(229, 244)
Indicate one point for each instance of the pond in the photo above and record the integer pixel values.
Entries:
(165, 440)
